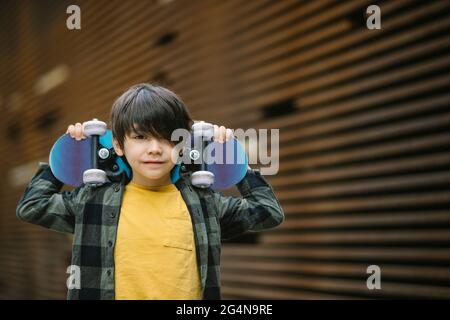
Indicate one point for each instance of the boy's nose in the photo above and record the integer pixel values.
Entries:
(153, 146)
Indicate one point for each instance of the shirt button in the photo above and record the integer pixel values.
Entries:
(108, 272)
(112, 214)
(110, 243)
(116, 189)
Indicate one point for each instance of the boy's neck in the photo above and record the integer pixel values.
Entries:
(163, 181)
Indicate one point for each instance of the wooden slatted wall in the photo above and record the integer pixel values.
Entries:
(363, 117)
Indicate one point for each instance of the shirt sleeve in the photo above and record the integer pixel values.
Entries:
(43, 204)
(258, 209)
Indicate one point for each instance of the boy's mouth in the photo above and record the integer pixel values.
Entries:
(153, 162)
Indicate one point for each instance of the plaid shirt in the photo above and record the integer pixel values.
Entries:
(92, 215)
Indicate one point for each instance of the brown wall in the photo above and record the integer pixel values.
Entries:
(363, 116)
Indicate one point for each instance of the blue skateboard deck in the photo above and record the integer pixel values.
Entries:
(69, 158)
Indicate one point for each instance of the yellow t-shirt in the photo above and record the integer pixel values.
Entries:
(155, 249)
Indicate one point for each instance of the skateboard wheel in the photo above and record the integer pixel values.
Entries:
(94, 176)
(202, 179)
(204, 129)
(94, 127)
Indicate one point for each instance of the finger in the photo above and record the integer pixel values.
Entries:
(71, 130)
(229, 134)
(222, 134)
(83, 136)
(216, 132)
(78, 131)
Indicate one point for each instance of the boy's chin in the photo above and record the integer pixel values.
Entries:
(154, 174)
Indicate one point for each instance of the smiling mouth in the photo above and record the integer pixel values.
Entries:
(153, 162)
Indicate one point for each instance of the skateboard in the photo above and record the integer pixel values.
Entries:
(94, 161)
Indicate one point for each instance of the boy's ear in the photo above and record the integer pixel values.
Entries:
(117, 148)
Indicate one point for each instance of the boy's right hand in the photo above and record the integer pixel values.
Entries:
(76, 131)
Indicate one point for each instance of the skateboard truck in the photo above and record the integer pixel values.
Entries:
(95, 129)
(203, 133)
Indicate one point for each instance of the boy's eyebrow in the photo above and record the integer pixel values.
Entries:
(146, 134)
(138, 134)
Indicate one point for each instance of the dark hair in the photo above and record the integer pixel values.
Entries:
(148, 110)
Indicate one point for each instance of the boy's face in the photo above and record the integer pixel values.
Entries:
(140, 152)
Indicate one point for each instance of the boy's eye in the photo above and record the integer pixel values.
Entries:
(139, 137)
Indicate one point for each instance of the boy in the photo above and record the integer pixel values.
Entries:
(148, 238)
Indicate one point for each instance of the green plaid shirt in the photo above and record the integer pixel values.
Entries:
(92, 215)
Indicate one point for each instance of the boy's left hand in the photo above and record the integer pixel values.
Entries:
(222, 134)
